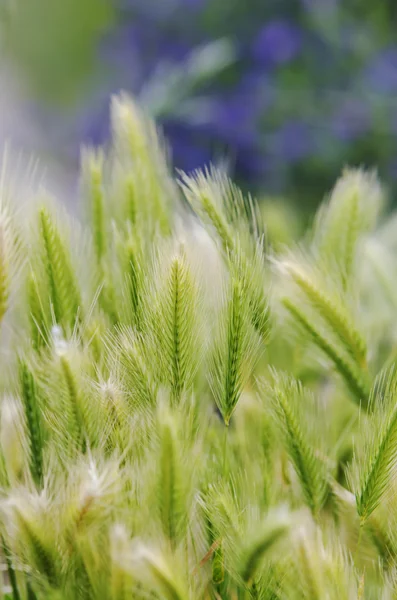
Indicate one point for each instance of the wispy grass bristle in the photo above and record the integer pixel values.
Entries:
(235, 349)
(380, 449)
(172, 482)
(63, 291)
(93, 167)
(33, 417)
(175, 323)
(289, 396)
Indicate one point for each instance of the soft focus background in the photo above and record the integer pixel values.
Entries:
(283, 92)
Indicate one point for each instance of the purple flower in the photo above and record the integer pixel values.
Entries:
(278, 42)
(173, 50)
(292, 142)
(234, 123)
(381, 74)
(235, 116)
(249, 165)
(188, 148)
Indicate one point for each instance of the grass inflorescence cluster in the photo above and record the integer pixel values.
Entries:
(189, 410)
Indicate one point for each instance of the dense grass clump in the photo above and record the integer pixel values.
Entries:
(185, 412)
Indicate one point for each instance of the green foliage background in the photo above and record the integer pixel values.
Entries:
(55, 43)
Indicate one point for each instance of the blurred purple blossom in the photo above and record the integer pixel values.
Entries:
(278, 42)
(235, 116)
(381, 73)
(255, 111)
(189, 148)
(293, 141)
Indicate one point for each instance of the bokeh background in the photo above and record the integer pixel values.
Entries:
(283, 92)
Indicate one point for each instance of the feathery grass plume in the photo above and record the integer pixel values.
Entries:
(132, 253)
(130, 194)
(221, 205)
(218, 563)
(129, 352)
(175, 322)
(173, 479)
(235, 349)
(321, 310)
(63, 288)
(383, 537)
(73, 395)
(305, 573)
(321, 567)
(138, 145)
(4, 480)
(350, 212)
(237, 224)
(205, 195)
(10, 571)
(374, 471)
(348, 370)
(11, 255)
(223, 513)
(289, 397)
(4, 269)
(121, 577)
(108, 300)
(90, 494)
(38, 315)
(262, 544)
(12, 439)
(357, 539)
(380, 276)
(34, 533)
(329, 306)
(114, 406)
(379, 293)
(256, 278)
(215, 553)
(32, 410)
(341, 576)
(93, 165)
(233, 219)
(95, 331)
(81, 505)
(69, 409)
(159, 573)
(323, 298)
(134, 279)
(92, 168)
(125, 201)
(255, 436)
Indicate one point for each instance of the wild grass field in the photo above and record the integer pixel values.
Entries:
(189, 409)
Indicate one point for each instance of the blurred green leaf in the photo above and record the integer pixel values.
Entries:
(54, 42)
